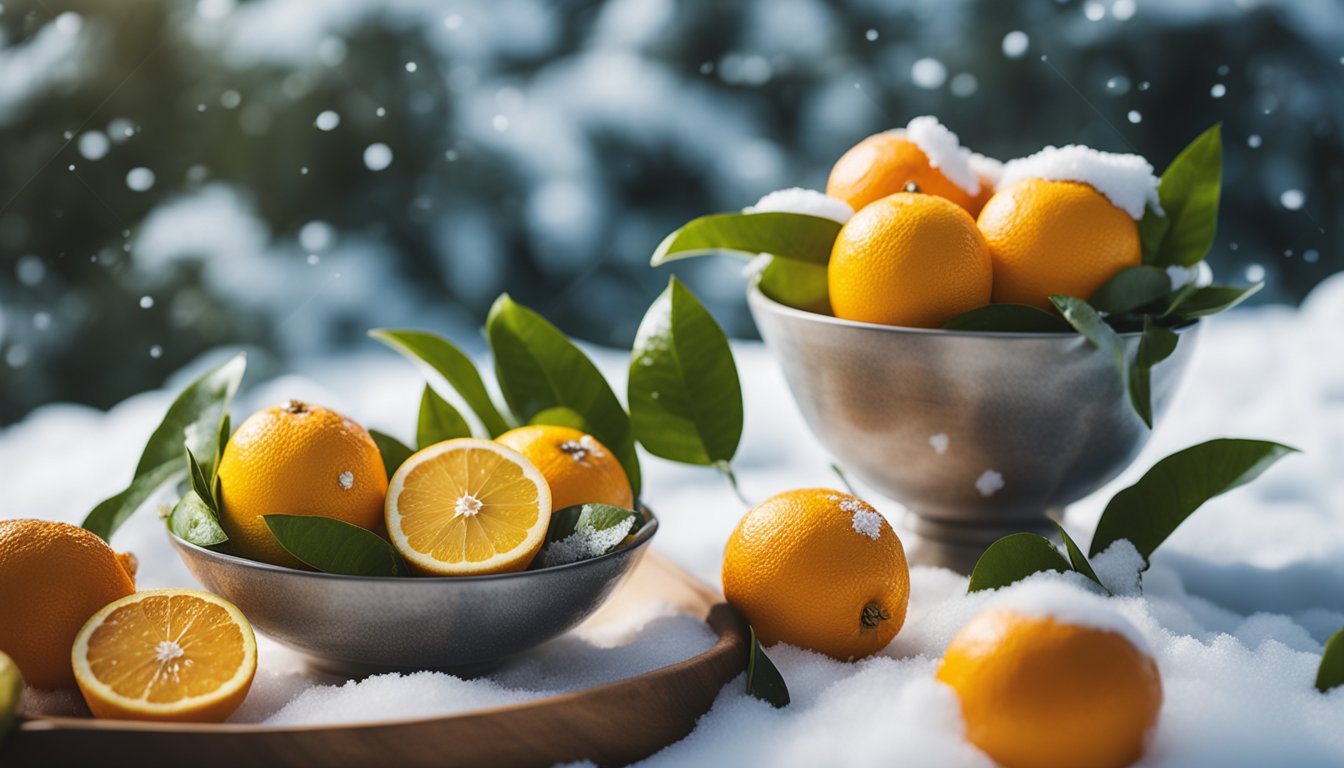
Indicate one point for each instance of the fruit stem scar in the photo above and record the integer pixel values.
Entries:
(295, 407)
(872, 615)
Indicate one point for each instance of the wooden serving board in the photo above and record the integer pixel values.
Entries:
(612, 724)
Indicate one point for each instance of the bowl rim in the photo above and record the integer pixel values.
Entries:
(756, 296)
(642, 538)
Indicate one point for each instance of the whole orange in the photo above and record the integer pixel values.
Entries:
(297, 459)
(1055, 237)
(578, 468)
(818, 569)
(53, 577)
(1037, 692)
(909, 259)
(884, 164)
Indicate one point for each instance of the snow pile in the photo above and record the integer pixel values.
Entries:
(585, 542)
(944, 151)
(1064, 603)
(805, 201)
(1235, 607)
(1126, 180)
(986, 168)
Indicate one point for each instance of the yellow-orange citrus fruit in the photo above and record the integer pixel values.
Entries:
(979, 201)
(909, 259)
(1037, 692)
(884, 164)
(1055, 237)
(297, 459)
(578, 468)
(818, 569)
(166, 654)
(468, 507)
(53, 577)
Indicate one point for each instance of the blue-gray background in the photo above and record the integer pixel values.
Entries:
(176, 175)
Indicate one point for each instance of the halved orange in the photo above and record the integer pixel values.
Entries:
(468, 506)
(166, 654)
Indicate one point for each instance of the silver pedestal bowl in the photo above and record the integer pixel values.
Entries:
(360, 625)
(977, 434)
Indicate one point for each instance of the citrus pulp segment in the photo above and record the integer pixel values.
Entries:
(166, 654)
(468, 506)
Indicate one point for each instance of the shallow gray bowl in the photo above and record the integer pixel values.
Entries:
(1026, 422)
(357, 625)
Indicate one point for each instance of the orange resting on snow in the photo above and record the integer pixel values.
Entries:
(297, 459)
(909, 259)
(166, 654)
(468, 507)
(818, 569)
(1055, 237)
(53, 577)
(578, 468)
(1040, 692)
(884, 164)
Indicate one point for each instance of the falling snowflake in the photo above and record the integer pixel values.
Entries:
(346, 480)
(939, 442)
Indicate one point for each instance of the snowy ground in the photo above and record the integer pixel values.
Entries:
(1236, 605)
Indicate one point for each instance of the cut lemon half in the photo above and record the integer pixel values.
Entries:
(468, 506)
(166, 654)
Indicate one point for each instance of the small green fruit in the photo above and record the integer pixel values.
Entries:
(11, 692)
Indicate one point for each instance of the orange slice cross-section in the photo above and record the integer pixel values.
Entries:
(166, 654)
(468, 506)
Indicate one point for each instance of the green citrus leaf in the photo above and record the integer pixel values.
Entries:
(793, 236)
(1086, 321)
(539, 368)
(763, 679)
(222, 434)
(1148, 511)
(438, 421)
(192, 420)
(1331, 671)
(194, 416)
(194, 520)
(1008, 318)
(798, 284)
(393, 451)
(586, 531)
(107, 517)
(685, 397)
(199, 483)
(335, 546)
(1013, 558)
(1077, 559)
(561, 417)
(1189, 192)
(1177, 297)
(1155, 345)
(1212, 299)
(1131, 289)
(437, 354)
(1152, 229)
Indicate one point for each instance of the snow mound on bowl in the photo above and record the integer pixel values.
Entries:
(805, 201)
(1126, 180)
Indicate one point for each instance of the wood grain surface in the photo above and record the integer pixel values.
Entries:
(611, 724)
